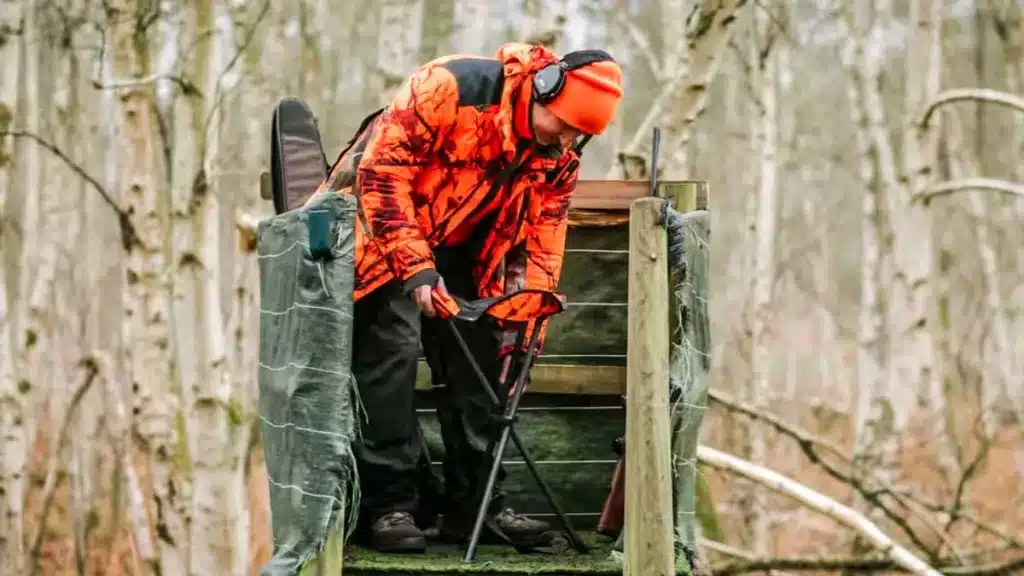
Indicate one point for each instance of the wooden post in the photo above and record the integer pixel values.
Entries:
(331, 560)
(648, 544)
(685, 196)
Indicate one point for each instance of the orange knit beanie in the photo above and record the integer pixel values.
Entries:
(589, 97)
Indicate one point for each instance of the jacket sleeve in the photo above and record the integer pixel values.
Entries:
(545, 244)
(405, 139)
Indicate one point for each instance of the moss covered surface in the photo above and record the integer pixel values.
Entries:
(491, 560)
(559, 560)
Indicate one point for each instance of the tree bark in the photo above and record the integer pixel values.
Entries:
(14, 400)
(879, 416)
(685, 97)
(919, 358)
(146, 333)
(766, 142)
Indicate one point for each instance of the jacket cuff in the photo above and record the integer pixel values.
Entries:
(426, 277)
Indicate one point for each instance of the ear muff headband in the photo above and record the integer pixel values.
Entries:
(549, 80)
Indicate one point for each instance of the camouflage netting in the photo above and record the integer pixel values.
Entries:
(689, 375)
(308, 398)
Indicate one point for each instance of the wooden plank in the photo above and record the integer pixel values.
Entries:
(560, 379)
(607, 194)
(617, 195)
(648, 528)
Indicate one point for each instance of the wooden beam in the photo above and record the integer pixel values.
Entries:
(560, 379)
(607, 194)
(618, 195)
(648, 528)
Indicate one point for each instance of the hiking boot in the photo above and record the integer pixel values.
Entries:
(505, 527)
(396, 532)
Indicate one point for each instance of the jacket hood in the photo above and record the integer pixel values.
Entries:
(521, 58)
(520, 61)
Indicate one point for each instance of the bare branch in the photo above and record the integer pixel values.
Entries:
(982, 94)
(119, 431)
(218, 92)
(187, 87)
(247, 225)
(129, 237)
(90, 370)
(965, 184)
(820, 503)
(873, 494)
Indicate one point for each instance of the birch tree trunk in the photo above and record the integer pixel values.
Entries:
(69, 296)
(14, 409)
(766, 138)
(997, 368)
(1009, 19)
(43, 224)
(11, 24)
(683, 99)
(920, 328)
(879, 416)
(188, 40)
(24, 208)
(1008, 16)
(146, 334)
(13, 446)
(219, 533)
(675, 63)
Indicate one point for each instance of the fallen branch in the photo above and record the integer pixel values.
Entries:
(801, 436)
(848, 564)
(965, 184)
(913, 502)
(803, 564)
(819, 502)
(129, 237)
(809, 444)
(958, 94)
(63, 439)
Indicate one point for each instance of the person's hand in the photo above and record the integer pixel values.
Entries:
(424, 298)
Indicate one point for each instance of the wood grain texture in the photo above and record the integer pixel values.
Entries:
(649, 541)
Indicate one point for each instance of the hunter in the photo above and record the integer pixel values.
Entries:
(464, 182)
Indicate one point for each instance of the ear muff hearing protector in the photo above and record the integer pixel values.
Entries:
(549, 80)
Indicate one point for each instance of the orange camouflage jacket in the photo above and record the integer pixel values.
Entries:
(425, 170)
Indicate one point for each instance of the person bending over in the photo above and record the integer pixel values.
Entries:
(464, 182)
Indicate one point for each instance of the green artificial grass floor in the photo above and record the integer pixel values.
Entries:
(439, 558)
(558, 560)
